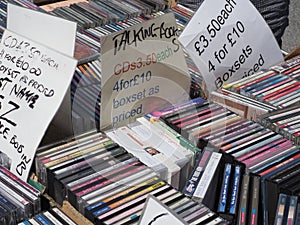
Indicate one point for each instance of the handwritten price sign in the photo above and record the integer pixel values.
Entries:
(229, 40)
(33, 82)
(143, 68)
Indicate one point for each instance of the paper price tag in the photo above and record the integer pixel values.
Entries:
(229, 40)
(143, 68)
(33, 82)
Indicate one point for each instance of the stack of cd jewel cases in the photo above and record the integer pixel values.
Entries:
(285, 122)
(108, 185)
(279, 86)
(244, 106)
(264, 152)
(208, 123)
(85, 97)
(182, 15)
(216, 181)
(143, 141)
(287, 209)
(18, 200)
(3, 13)
(53, 216)
(100, 12)
(198, 87)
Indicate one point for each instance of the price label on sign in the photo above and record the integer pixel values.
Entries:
(155, 213)
(33, 82)
(143, 68)
(229, 40)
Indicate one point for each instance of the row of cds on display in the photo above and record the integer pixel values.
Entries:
(264, 153)
(18, 199)
(53, 216)
(86, 96)
(91, 36)
(101, 12)
(264, 92)
(288, 210)
(108, 185)
(222, 184)
(278, 86)
(95, 172)
(285, 121)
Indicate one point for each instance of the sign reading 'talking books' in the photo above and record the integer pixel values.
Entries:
(143, 68)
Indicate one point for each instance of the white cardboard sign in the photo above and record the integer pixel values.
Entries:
(53, 32)
(229, 40)
(33, 82)
(156, 213)
(143, 68)
(49, 30)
